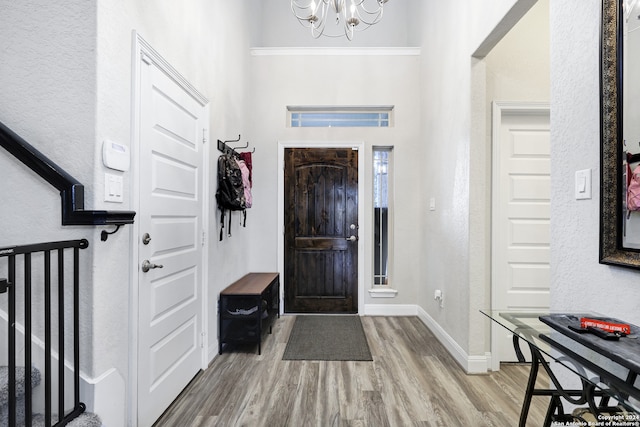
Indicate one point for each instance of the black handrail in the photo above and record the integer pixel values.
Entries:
(71, 190)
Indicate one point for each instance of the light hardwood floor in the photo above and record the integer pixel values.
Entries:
(412, 381)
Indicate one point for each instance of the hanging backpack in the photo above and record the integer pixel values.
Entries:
(230, 193)
(633, 189)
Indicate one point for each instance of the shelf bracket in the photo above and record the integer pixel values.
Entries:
(105, 234)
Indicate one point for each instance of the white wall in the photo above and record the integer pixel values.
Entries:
(47, 92)
(282, 78)
(200, 41)
(456, 165)
(47, 96)
(517, 67)
(203, 41)
(445, 95)
(578, 281)
(65, 85)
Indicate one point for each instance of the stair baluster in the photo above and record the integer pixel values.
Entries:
(22, 289)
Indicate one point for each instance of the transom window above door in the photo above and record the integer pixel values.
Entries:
(354, 116)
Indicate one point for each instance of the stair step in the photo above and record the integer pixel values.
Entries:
(20, 383)
(20, 391)
(86, 419)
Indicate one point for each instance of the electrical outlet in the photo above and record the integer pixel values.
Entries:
(439, 296)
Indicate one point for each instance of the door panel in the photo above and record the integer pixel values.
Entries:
(171, 209)
(521, 215)
(321, 209)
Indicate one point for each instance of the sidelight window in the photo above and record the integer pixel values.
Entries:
(382, 203)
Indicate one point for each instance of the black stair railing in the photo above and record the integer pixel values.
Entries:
(73, 213)
(71, 191)
(51, 282)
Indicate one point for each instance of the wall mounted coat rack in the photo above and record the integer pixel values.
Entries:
(226, 149)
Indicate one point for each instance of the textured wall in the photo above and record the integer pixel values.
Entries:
(518, 66)
(446, 134)
(578, 280)
(455, 95)
(47, 96)
(47, 93)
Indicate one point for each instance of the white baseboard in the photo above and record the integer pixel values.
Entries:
(390, 310)
(471, 364)
(105, 396)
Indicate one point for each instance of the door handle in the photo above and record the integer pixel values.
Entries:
(146, 265)
(351, 238)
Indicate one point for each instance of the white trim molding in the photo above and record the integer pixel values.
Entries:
(471, 364)
(355, 145)
(335, 51)
(390, 310)
(500, 110)
(99, 396)
(383, 293)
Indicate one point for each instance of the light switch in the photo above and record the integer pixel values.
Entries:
(113, 188)
(432, 204)
(583, 184)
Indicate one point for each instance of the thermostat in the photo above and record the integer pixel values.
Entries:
(115, 155)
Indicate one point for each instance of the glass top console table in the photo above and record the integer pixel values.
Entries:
(607, 367)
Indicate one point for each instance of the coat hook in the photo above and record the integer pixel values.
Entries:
(233, 140)
(105, 234)
(243, 147)
(223, 147)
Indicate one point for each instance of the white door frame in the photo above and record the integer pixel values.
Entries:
(499, 108)
(142, 49)
(356, 145)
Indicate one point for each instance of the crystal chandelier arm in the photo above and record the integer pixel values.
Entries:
(307, 15)
(317, 28)
(365, 14)
(313, 14)
(306, 10)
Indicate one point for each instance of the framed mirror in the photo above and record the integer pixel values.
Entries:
(620, 132)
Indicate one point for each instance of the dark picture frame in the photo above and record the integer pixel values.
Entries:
(612, 251)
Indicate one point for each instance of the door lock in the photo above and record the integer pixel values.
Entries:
(146, 265)
(146, 238)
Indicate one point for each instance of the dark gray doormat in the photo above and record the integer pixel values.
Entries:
(327, 338)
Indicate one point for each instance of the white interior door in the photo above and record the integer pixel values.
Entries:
(521, 214)
(171, 182)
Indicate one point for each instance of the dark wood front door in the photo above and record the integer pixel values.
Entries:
(321, 215)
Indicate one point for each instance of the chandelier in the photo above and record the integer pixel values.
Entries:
(358, 17)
